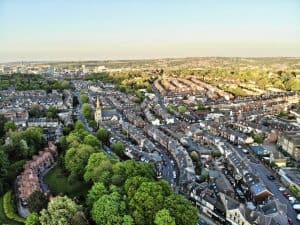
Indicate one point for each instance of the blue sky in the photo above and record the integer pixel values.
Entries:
(129, 29)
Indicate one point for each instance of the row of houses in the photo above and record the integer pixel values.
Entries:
(29, 180)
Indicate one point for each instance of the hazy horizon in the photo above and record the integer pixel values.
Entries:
(76, 31)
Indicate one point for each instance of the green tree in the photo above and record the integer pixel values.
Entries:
(84, 98)
(97, 191)
(108, 210)
(4, 168)
(3, 120)
(98, 169)
(52, 112)
(32, 219)
(91, 140)
(163, 217)
(79, 125)
(87, 111)
(79, 219)
(60, 211)
(103, 135)
(37, 111)
(76, 158)
(181, 209)
(127, 220)
(10, 125)
(146, 202)
(37, 201)
(118, 148)
(181, 109)
(132, 184)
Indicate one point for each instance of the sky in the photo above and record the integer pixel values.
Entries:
(135, 29)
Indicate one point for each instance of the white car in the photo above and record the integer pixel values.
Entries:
(292, 199)
(298, 217)
(282, 189)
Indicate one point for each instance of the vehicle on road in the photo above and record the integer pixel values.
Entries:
(282, 189)
(245, 151)
(271, 177)
(292, 199)
(297, 209)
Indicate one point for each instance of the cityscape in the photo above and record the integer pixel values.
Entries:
(168, 140)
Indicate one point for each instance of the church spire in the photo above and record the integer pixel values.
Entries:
(98, 103)
(98, 113)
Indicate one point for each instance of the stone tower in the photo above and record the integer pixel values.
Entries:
(98, 113)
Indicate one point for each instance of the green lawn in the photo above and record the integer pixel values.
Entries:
(3, 219)
(58, 184)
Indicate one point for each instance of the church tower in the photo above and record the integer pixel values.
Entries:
(98, 114)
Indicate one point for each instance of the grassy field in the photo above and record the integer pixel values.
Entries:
(3, 219)
(58, 184)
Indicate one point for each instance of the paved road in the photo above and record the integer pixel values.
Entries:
(273, 186)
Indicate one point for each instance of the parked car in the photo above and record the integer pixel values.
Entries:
(271, 177)
(282, 189)
(286, 194)
(290, 221)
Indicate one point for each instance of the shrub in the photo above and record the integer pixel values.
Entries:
(9, 208)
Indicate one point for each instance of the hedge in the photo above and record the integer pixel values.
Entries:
(9, 208)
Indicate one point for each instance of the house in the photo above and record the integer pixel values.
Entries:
(290, 142)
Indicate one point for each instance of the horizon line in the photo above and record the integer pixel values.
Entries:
(139, 59)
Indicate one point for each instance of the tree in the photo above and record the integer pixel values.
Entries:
(127, 220)
(195, 156)
(103, 135)
(3, 120)
(97, 191)
(91, 140)
(4, 168)
(163, 217)
(181, 109)
(109, 210)
(87, 111)
(84, 98)
(216, 154)
(32, 219)
(79, 219)
(60, 211)
(132, 184)
(98, 169)
(79, 125)
(37, 111)
(118, 148)
(76, 158)
(52, 112)
(37, 201)
(134, 168)
(10, 126)
(146, 202)
(181, 209)
(25, 144)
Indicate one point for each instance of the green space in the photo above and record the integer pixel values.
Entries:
(58, 183)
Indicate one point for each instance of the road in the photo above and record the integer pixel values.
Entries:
(273, 185)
